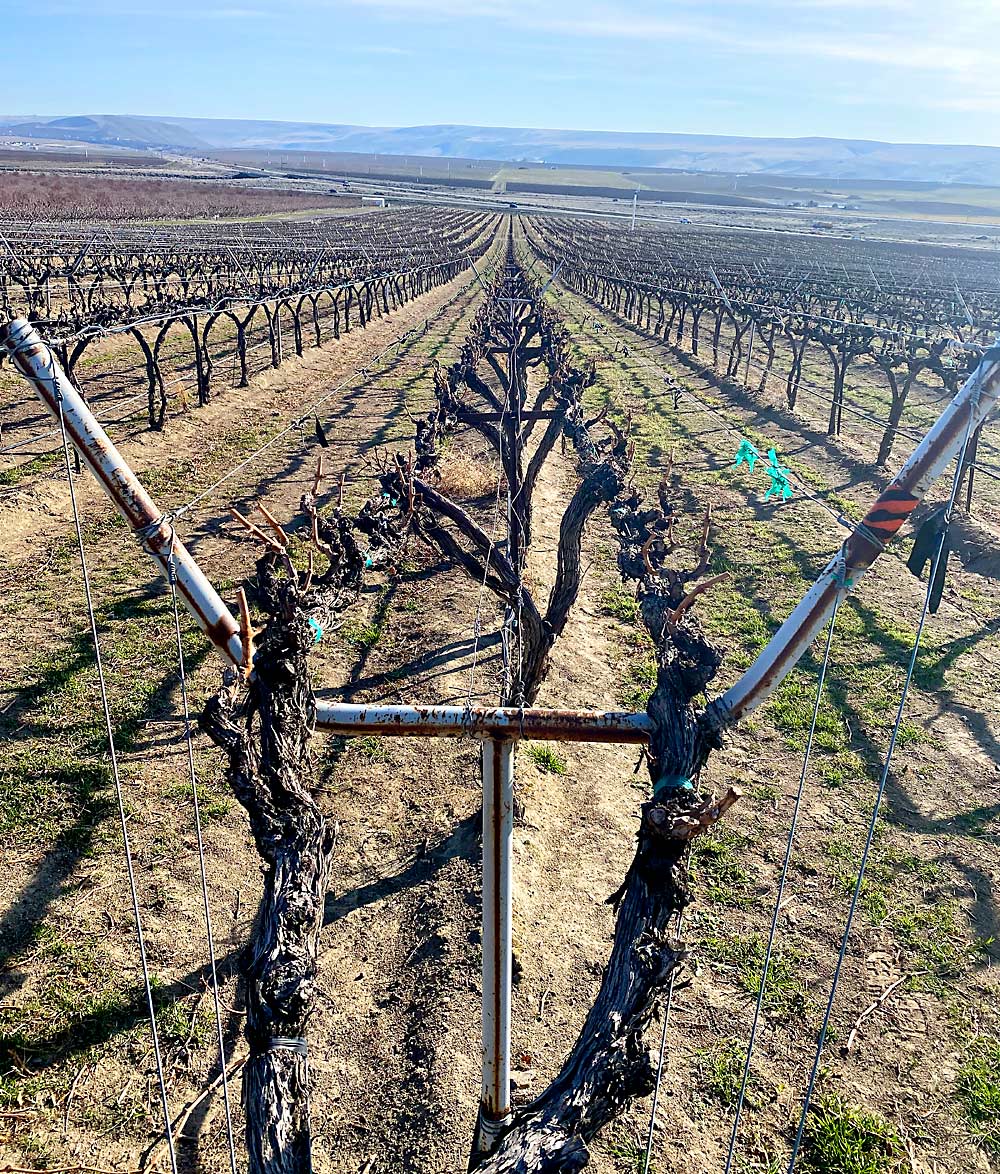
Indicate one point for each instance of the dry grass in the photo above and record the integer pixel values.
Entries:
(464, 477)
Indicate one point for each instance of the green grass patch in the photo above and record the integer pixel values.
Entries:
(639, 682)
(716, 864)
(628, 1149)
(40, 464)
(545, 758)
(937, 935)
(360, 634)
(843, 1138)
(791, 709)
(891, 893)
(372, 748)
(619, 601)
(785, 994)
(978, 1092)
(720, 1069)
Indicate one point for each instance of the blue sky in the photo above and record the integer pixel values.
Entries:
(902, 70)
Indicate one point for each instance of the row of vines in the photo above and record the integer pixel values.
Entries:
(867, 352)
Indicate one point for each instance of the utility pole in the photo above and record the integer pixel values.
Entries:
(635, 205)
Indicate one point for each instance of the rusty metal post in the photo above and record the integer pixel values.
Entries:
(38, 365)
(498, 838)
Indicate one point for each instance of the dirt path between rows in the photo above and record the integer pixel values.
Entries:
(38, 510)
(403, 1035)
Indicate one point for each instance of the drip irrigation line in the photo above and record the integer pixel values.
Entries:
(880, 794)
(116, 777)
(779, 896)
(193, 779)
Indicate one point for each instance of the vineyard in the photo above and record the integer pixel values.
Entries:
(76, 198)
(588, 778)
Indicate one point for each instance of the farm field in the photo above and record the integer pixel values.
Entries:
(922, 199)
(225, 363)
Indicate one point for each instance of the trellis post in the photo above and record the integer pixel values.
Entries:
(498, 844)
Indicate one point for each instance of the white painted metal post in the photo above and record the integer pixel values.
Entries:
(498, 837)
(38, 365)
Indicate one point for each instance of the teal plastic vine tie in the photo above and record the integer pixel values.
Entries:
(317, 629)
(746, 452)
(670, 784)
(780, 484)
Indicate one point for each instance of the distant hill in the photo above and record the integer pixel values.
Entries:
(845, 159)
(108, 129)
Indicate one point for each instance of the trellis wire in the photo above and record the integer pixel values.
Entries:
(192, 776)
(116, 777)
(883, 782)
(647, 1155)
(299, 421)
(779, 896)
(802, 487)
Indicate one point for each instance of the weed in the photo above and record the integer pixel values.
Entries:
(715, 860)
(619, 601)
(841, 1138)
(545, 758)
(840, 769)
(720, 1069)
(212, 805)
(792, 710)
(358, 634)
(640, 681)
(464, 478)
(911, 735)
(933, 934)
(785, 994)
(757, 1154)
(978, 1092)
(628, 1150)
(762, 792)
(370, 747)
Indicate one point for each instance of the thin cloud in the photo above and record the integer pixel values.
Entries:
(896, 34)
